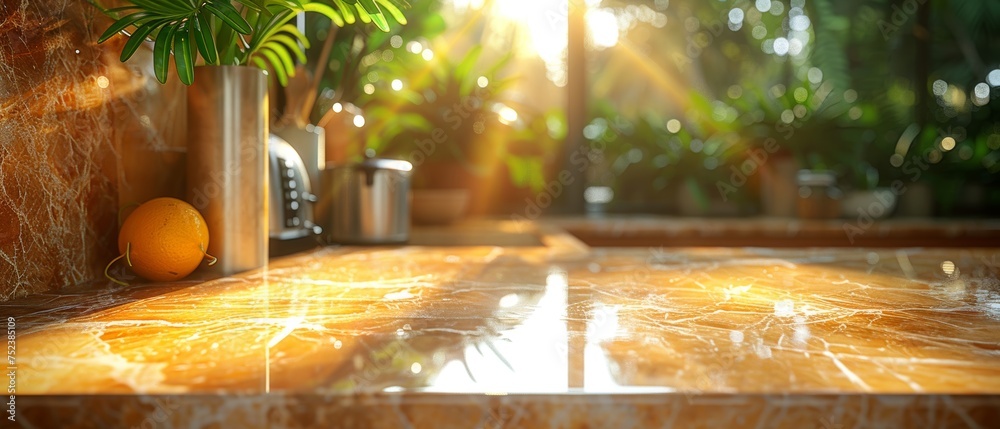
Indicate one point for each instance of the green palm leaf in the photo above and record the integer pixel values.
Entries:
(260, 62)
(323, 9)
(253, 5)
(284, 57)
(182, 56)
(201, 30)
(133, 19)
(346, 11)
(294, 31)
(394, 11)
(138, 37)
(230, 32)
(165, 6)
(280, 72)
(291, 44)
(161, 52)
(228, 14)
(370, 12)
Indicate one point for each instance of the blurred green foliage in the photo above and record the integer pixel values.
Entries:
(851, 86)
(446, 106)
(863, 74)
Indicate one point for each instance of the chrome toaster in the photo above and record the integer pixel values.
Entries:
(291, 199)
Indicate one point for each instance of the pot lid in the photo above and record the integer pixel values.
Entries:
(816, 178)
(383, 164)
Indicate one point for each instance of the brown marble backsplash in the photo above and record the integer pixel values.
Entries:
(81, 136)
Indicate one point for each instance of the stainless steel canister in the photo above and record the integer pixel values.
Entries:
(366, 203)
(227, 162)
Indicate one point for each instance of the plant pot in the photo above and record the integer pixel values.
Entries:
(778, 191)
(227, 163)
(818, 195)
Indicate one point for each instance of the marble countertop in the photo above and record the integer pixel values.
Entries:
(554, 334)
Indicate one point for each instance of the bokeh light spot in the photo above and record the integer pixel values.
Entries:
(673, 126)
(948, 143)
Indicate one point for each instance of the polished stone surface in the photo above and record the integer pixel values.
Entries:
(557, 335)
(81, 134)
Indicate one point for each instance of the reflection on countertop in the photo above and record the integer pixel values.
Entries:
(549, 335)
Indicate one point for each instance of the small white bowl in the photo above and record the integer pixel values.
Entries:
(439, 206)
(877, 203)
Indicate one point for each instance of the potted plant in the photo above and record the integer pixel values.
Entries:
(227, 102)
(256, 32)
(448, 122)
(459, 148)
(657, 164)
(633, 160)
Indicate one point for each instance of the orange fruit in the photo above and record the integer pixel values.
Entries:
(164, 239)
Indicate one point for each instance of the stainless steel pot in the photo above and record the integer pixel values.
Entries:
(366, 203)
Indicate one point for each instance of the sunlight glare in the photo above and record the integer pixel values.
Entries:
(546, 22)
(603, 26)
(507, 115)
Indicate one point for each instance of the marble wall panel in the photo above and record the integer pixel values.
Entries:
(81, 135)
